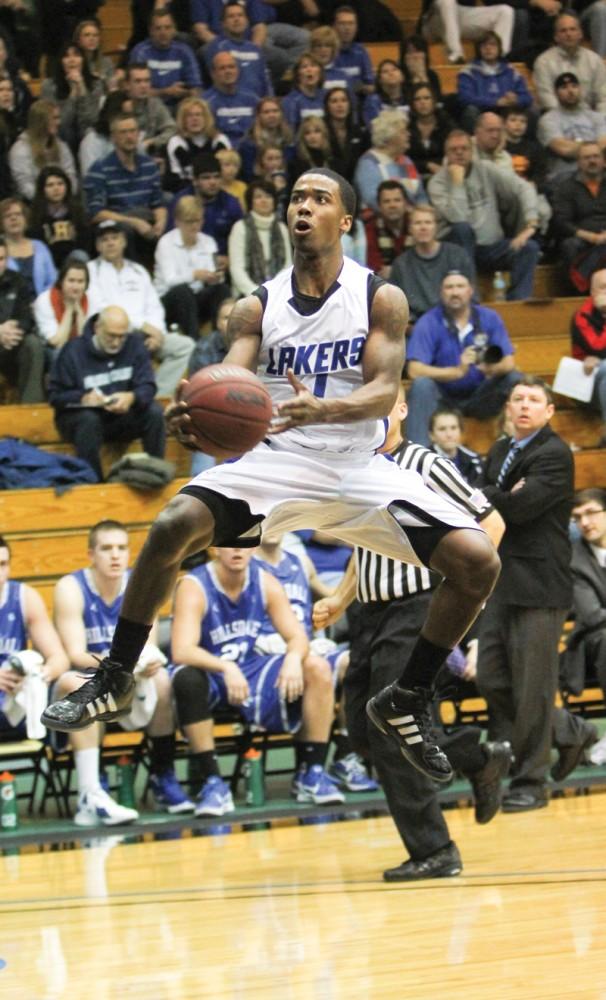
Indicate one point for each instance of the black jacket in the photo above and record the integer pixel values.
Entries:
(535, 551)
(80, 366)
(574, 207)
(14, 301)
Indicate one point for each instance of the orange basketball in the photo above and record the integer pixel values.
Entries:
(230, 409)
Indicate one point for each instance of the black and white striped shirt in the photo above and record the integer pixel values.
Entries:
(383, 579)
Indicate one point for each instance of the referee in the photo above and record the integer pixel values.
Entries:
(384, 623)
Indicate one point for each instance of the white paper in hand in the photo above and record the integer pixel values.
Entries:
(571, 380)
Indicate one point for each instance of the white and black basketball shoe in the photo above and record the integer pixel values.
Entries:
(408, 721)
(106, 696)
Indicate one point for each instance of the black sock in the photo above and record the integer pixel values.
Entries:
(309, 753)
(162, 754)
(423, 666)
(342, 744)
(201, 766)
(128, 641)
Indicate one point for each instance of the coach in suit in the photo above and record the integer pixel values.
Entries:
(586, 647)
(530, 481)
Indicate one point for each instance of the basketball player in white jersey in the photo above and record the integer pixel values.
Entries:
(327, 338)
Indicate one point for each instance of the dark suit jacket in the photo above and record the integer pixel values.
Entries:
(535, 551)
(589, 605)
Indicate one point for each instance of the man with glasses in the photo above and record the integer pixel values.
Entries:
(102, 389)
(586, 647)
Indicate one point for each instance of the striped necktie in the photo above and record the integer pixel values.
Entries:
(509, 458)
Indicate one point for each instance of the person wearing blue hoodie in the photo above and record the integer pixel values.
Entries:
(490, 82)
(102, 388)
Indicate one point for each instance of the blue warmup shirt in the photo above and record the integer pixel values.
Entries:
(100, 619)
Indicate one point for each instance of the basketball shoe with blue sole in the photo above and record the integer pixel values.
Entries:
(408, 722)
(108, 695)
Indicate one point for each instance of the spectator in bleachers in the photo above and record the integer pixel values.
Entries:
(141, 11)
(593, 19)
(386, 159)
(230, 162)
(57, 217)
(460, 353)
(562, 129)
(530, 482)
(40, 146)
(9, 130)
(446, 434)
(588, 331)
(489, 141)
(97, 142)
(185, 275)
(24, 625)
(59, 21)
(352, 57)
(86, 608)
(528, 157)
(450, 22)
(259, 245)
(210, 350)
(348, 140)
(579, 213)
(270, 165)
(125, 187)
(307, 94)
(30, 257)
(387, 229)
(22, 98)
(585, 656)
(569, 55)
(429, 128)
(114, 278)
(76, 92)
(21, 28)
(21, 350)
(477, 201)
(232, 105)
(416, 67)
(233, 596)
(221, 210)
(156, 124)
(268, 128)
(175, 72)
(282, 44)
(325, 48)
(102, 388)
(391, 93)
(489, 82)
(196, 133)
(87, 35)
(62, 311)
(234, 38)
(420, 270)
(312, 148)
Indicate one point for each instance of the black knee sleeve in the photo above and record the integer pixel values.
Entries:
(191, 688)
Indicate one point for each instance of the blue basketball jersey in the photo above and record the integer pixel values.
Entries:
(13, 633)
(292, 576)
(229, 628)
(100, 619)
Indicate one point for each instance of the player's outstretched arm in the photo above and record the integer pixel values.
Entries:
(382, 363)
(244, 333)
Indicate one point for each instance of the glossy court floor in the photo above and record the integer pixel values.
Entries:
(300, 913)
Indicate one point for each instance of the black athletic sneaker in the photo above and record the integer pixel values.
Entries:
(106, 696)
(443, 864)
(486, 782)
(409, 723)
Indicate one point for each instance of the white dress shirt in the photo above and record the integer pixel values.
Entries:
(176, 263)
(129, 286)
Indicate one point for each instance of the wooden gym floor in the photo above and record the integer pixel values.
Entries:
(301, 913)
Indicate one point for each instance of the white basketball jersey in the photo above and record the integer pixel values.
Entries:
(324, 350)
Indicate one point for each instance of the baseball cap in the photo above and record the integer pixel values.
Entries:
(565, 78)
(108, 226)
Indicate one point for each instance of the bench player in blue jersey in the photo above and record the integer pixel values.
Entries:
(24, 622)
(327, 338)
(86, 607)
(297, 575)
(220, 610)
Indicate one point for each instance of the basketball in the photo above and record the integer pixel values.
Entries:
(230, 409)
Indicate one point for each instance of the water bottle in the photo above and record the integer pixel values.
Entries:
(499, 287)
(254, 778)
(125, 775)
(9, 817)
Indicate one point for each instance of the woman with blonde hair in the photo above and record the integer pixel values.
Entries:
(196, 133)
(313, 147)
(325, 48)
(87, 35)
(387, 160)
(40, 146)
(269, 128)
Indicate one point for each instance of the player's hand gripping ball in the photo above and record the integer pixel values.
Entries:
(229, 408)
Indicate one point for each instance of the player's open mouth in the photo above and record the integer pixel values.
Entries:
(302, 226)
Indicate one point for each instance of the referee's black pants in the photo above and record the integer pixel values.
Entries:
(382, 635)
